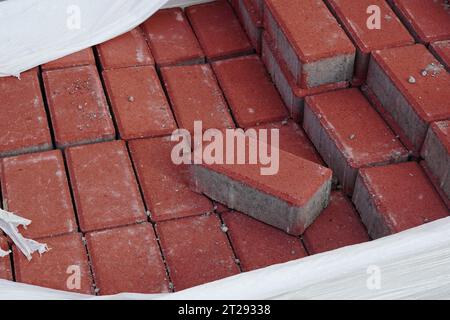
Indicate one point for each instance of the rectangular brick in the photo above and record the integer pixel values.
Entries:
(258, 245)
(395, 198)
(104, 186)
(196, 96)
(197, 251)
(337, 123)
(353, 16)
(80, 58)
(78, 107)
(164, 184)
(218, 30)
(251, 95)
(338, 226)
(441, 49)
(293, 139)
(289, 199)
(57, 268)
(293, 25)
(171, 38)
(24, 121)
(138, 102)
(412, 87)
(35, 187)
(292, 95)
(436, 152)
(427, 20)
(5, 262)
(128, 50)
(127, 259)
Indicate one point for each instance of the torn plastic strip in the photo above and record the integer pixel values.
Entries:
(9, 223)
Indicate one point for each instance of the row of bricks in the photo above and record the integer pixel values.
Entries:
(79, 110)
(281, 20)
(128, 259)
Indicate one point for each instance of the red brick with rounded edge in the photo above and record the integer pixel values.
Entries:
(337, 122)
(138, 102)
(251, 95)
(338, 226)
(54, 269)
(292, 95)
(127, 259)
(441, 50)
(287, 192)
(436, 153)
(5, 262)
(197, 251)
(196, 96)
(395, 198)
(292, 139)
(80, 58)
(164, 184)
(258, 245)
(35, 187)
(218, 30)
(24, 121)
(428, 20)
(127, 50)
(411, 87)
(171, 38)
(353, 17)
(314, 55)
(104, 186)
(78, 106)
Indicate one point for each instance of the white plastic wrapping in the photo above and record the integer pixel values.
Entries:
(9, 224)
(33, 32)
(414, 264)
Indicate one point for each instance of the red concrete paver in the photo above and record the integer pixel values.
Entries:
(78, 107)
(338, 226)
(258, 245)
(35, 187)
(5, 262)
(164, 184)
(80, 58)
(171, 38)
(436, 152)
(138, 102)
(196, 96)
(22, 113)
(251, 95)
(64, 267)
(292, 139)
(337, 123)
(289, 192)
(104, 186)
(441, 49)
(292, 95)
(314, 55)
(353, 17)
(428, 20)
(218, 30)
(395, 198)
(128, 50)
(412, 87)
(127, 259)
(197, 251)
